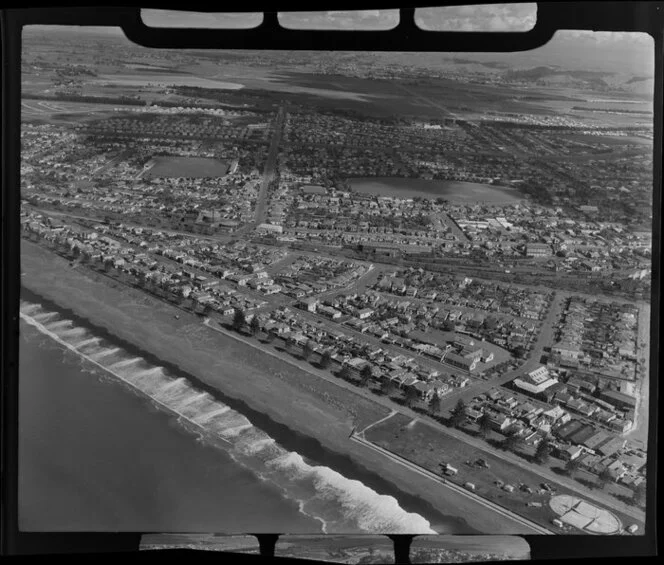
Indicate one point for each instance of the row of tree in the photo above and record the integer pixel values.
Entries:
(512, 442)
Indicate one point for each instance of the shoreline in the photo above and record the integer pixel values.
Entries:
(641, 423)
(307, 446)
(314, 422)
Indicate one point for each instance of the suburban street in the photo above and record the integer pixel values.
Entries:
(532, 361)
(270, 167)
(505, 514)
(482, 446)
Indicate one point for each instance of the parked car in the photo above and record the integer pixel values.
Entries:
(449, 470)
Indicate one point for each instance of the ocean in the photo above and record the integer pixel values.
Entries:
(110, 441)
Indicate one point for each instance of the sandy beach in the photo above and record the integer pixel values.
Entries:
(287, 395)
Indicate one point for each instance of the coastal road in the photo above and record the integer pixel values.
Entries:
(441, 482)
(481, 446)
(639, 434)
(545, 474)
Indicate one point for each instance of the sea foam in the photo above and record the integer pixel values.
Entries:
(338, 503)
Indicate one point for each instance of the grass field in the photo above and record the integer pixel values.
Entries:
(431, 449)
(456, 192)
(187, 167)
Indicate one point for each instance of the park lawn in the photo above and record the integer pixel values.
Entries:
(430, 449)
(187, 167)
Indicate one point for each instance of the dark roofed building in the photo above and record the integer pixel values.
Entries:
(618, 399)
(582, 434)
(456, 360)
(568, 429)
(314, 189)
(611, 446)
(599, 437)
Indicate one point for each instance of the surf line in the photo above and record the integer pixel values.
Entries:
(71, 347)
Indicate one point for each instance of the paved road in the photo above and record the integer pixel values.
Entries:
(546, 475)
(639, 434)
(532, 361)
(426, 362)
(113, 161)
(481, 446)
(270, 167)
(441, 482)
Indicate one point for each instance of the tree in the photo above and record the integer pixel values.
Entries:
(269, 338)
(605, 477)
(448, 326)
(344, 373)
(411, 397)
(639, 498)
(458, 414)
(389, 388)
(142, 279)
(325, 360)
(511, 442)
(307, 350)
(490, 323)
(543, 451)
(254, 326)
(239, 320)
(434, 405)
(572, 466)
(365, 375)
(484, 424)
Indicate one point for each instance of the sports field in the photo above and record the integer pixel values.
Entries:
(453, 191)
(584, 515)
(187, 167)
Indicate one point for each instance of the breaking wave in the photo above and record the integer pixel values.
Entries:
(340, 504)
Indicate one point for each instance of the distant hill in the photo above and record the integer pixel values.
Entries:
(553, 75)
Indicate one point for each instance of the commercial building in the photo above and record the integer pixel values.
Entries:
(618, 399)
(536, 381)
(271, 228)
(538, 250)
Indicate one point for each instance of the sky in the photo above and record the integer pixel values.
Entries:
(630, 52)
(499, 17)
